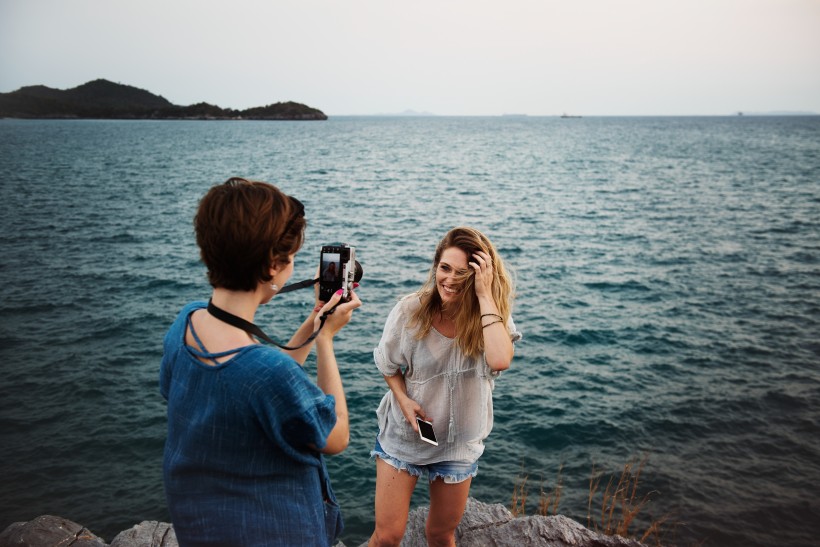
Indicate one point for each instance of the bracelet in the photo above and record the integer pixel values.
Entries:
(492, 323)
(483, 315)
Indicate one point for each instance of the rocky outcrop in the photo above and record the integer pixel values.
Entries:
(147, 533)
(483, 525)
(50, 531)
(492, 525)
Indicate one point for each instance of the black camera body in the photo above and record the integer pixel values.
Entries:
(338, 269)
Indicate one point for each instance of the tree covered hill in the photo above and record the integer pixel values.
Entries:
(101, 99)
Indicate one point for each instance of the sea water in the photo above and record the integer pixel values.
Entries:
(668, 289)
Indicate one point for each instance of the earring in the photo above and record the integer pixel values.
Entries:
(275, 287)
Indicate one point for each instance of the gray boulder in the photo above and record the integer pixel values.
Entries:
(48, 531)
(148, 533)
(492, 525)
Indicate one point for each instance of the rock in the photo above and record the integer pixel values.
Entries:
(483, 525)
(553, 531)
(48, 531)
(147, 534)
(486, 525)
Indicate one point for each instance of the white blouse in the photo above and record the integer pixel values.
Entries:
(453, 390)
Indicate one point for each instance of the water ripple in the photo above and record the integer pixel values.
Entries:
(666, 272)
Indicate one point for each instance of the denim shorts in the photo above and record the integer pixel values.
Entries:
(449, 472)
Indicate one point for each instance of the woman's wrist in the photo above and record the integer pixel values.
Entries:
(400, 393)
(324, 341)
(488, 319)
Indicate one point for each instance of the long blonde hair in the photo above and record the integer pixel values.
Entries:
(469, 335)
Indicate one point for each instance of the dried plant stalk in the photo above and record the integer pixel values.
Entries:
(549, 502)
(518, 508)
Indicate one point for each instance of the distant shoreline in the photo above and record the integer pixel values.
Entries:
(160, 119)
(104, 100)
(392, 116)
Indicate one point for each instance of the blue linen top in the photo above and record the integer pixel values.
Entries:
(237, 466)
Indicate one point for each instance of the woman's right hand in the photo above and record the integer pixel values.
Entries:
(411, 409)
(408, 406)
(327, 369)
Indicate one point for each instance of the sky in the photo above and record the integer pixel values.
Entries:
(445, 57)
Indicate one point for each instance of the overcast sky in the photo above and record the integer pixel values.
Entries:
(448, 57)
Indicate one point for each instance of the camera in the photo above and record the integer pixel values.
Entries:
(338, 269)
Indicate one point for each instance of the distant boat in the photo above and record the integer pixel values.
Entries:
(565, 115)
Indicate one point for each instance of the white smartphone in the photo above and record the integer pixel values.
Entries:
(426, 431)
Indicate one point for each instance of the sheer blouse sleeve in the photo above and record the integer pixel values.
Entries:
(515, 334)
(388, 354)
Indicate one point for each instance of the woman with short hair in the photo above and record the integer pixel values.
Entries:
(246, 425)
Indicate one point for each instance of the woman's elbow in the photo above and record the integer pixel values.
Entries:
(499, 364)
(336, 446)
(339, 437)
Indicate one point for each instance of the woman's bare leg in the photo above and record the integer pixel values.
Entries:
(394, 489)
(447, 503)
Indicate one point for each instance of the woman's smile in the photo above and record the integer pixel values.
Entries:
(451, 266)
(449, 289)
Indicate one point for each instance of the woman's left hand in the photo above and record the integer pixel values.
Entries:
(483, 266)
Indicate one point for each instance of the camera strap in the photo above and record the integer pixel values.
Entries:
(251, 328)
(299, 285)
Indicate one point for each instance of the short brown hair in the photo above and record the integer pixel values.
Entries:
(243, 228)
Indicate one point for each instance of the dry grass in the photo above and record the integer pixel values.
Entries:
(518, 508)
(620, 502)
(548, 501)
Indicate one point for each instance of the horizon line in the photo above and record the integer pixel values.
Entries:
(736, 114)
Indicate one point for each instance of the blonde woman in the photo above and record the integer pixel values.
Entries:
(441, 350)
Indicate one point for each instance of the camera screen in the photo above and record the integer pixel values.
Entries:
(331, 267)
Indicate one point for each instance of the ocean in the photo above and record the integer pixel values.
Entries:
(668, 288)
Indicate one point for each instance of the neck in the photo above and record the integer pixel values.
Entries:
(240, 303)
(448, 314)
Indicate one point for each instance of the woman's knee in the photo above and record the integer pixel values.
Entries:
(440, 537)
(386, 536)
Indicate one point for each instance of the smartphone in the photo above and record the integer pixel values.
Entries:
(426, 431)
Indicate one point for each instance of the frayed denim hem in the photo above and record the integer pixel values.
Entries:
(451, 478)
(449, 472)
(414, 470)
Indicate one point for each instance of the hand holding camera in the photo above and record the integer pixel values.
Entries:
(337, 313)
(338, 269)
(338, 275)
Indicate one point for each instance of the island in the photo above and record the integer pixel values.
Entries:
(102, 99)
